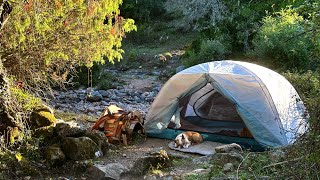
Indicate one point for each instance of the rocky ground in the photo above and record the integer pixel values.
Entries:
(138, 93)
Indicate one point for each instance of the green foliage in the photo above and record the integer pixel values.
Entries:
(195, 176)
(196, 15)
(26, 100)
(206, 50)
(50, 38)
(308, 147)
(281, 38)
(143, 10)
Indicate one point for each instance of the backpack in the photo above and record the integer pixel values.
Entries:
(119, 125)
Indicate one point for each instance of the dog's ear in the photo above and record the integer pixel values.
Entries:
(183, 136)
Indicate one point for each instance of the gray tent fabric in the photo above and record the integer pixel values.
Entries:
(259, 98)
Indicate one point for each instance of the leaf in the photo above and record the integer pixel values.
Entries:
(18, 157)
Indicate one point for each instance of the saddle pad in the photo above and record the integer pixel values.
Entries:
(204, 148)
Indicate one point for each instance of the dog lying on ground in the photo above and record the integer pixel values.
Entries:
(185, 139)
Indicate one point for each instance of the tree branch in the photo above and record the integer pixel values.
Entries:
(280, 163)
(5, 10)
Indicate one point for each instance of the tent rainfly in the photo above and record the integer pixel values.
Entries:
(229, 101)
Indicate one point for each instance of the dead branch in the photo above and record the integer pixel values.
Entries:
(283, 162)
(241, 164)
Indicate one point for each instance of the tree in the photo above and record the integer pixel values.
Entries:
(42, 41)
(45, 40)
(197, 14)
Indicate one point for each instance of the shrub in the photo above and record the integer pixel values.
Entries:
(308, 147)
(282, 39)
(143, 10)
(207, 50)
(27, 101)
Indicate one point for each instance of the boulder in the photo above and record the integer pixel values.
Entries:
(202, 160)
(69, 129)
(79, 148)
(228, 167)
(54, 155)
(143, 164)
(229, 148)
(45, 132)
(94, 96)
(44, 107)
(41, 118)
(100, 139)
(108, 171)
(223, 158)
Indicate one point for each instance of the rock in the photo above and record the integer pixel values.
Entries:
(104, 93)
(69, 129)
(94, 96)
(109, 171)
(44, 107)
(54, 155)
(100, 139)
(41, 118)
(151, 94)
(104, 103)
(202, 160)
(223, 158)
(228, 167)
(45, 132)
(79, 148)
(276, 155)
(229, 148)
(137, 99)
(90, 110)
(156, 73)
(143, 164)
(180, 68)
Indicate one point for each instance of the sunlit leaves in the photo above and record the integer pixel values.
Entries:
(53, 36)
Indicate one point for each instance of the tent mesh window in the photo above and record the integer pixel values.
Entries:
(208, 111)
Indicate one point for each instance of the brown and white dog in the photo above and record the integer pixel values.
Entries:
(185, 139)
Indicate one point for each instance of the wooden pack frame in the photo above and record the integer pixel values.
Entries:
(118, 125)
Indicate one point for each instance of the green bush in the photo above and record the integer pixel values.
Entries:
(142, 10)
(27, 101)
(282, 39)
(206, 50)
(308, 147)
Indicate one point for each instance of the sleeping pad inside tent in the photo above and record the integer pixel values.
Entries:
(230, 102)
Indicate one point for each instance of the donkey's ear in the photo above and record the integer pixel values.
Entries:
(183, 136)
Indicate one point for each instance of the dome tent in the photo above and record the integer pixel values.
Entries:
(224, 100)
